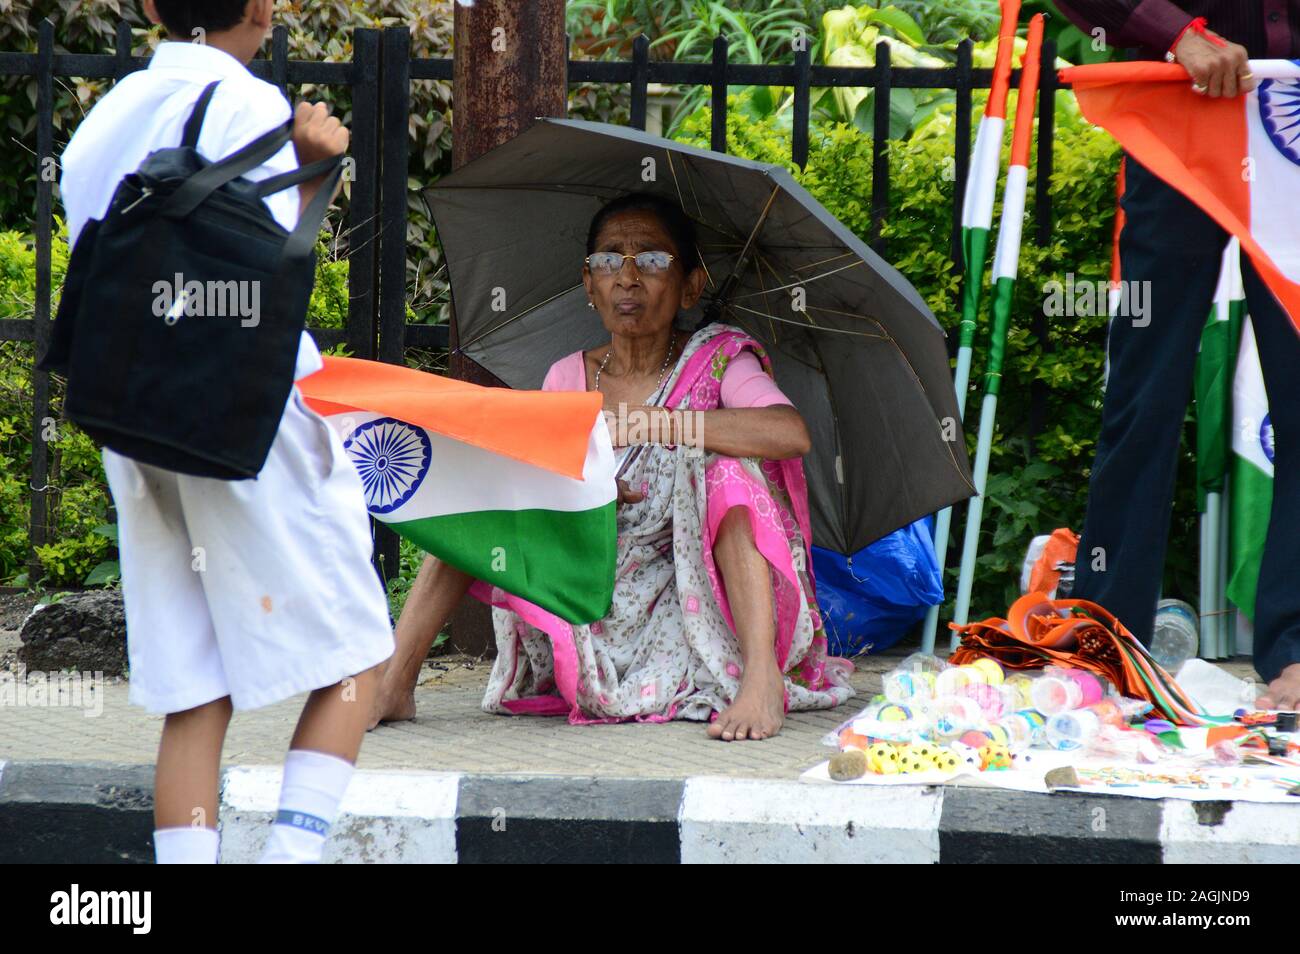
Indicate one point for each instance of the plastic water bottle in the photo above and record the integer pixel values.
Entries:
(1175, 638)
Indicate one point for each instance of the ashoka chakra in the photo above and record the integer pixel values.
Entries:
(392, 458)
(1279, 110)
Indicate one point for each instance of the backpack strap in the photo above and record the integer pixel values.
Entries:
(284, 180)
(202, 184)
(195, 123)
(302, 241)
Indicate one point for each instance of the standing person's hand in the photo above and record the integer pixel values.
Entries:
(317, 135)
(1217, 70)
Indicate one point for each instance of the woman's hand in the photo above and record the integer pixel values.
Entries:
(626, 495)
(776, 432)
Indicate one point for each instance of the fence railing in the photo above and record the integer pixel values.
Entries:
(380, 75)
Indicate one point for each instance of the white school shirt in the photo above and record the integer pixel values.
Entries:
(146, 110)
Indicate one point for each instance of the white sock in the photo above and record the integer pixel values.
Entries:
(185, 846)
(313, 787)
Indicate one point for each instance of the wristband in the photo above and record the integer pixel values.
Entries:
(1196, 25)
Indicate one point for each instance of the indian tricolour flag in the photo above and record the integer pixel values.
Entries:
(1006, 264)
(1238, 158)
(515, 488)
(976, 222)
(981, 189)
(1252, 473)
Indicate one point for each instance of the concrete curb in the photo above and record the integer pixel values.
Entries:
(97, 812)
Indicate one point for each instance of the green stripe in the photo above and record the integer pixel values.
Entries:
(1214, 371)
(1002, 295)
(974, 248)
(561, 560)
(1252, 499)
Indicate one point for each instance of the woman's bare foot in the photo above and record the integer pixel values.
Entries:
(758, 711)
(391, 703)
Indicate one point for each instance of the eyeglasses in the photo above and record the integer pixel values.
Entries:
(647, 263)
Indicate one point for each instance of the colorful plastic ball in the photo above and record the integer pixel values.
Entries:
(945, 760)
(999, 735)
(994, 756)
(893, 713)
(1023, 686)
(882, 758)
(993, 674)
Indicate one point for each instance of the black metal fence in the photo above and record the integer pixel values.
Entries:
(380, 76)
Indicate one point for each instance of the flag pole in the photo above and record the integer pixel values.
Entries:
(1006, 262)
(1227, 615)
(976, 223)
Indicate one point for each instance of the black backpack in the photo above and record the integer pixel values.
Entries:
(158, 367)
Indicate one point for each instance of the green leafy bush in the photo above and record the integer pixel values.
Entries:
(78, 501)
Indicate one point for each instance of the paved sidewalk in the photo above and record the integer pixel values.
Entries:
(458, 784)
(451, 733)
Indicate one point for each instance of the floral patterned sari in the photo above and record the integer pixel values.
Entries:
(667, 648)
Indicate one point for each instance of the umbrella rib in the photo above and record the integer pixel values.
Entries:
(823, 261)
(808, 324)
(761, 263)
(849, 314)
(496, 328)
(681, 200)
(724, 293)
(804, 281)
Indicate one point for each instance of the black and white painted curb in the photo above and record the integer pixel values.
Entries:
(95, 812)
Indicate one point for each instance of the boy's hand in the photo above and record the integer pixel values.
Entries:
(317, 135)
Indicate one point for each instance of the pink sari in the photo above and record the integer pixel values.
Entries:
(668, 649)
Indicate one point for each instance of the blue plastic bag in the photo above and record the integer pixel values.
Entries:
(870, 601)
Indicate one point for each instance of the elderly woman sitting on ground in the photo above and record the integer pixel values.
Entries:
(714, 610)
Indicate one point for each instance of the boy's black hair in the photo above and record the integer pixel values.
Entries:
(677, 223)
(183, 17)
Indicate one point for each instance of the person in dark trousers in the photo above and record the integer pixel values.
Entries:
(1169, 242)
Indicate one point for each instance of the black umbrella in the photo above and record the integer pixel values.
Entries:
(853, 344)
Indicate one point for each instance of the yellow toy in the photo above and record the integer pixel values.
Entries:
(994, 756)
(910, 761)
(945, 760)
(882, 758)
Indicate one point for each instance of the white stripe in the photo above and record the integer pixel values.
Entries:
(1229, 288)
(982, 186)
(1274, 181)
(1006, 263)
(1275, 69)
(388, 817)
(466, 479)
(1249, 833)
(1249, 403)
(729, 820)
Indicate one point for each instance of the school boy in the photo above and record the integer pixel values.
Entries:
(239, 593)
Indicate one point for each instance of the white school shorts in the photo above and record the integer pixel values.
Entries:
(254, 589)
